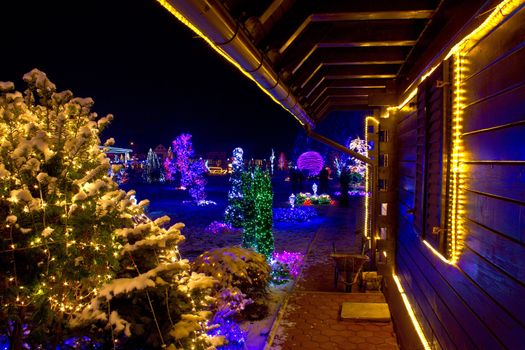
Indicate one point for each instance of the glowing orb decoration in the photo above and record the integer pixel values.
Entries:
(310, 161)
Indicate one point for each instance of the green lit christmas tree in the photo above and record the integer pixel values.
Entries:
(248, 208)
(263, 212)
(258, 212)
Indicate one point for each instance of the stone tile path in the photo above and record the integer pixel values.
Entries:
(310, 318)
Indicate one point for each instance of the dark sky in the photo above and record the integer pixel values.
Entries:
(140, 64)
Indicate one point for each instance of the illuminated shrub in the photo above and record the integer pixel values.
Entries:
(236, 267)
(311, 161)
(238, 270)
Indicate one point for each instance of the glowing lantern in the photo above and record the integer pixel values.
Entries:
(292, 200)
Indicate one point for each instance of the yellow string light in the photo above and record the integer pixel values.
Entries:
(424, 342)
(367, 177)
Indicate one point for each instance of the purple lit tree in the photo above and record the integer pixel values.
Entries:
(191, 171)
(183, 151)
(197, 181)
(170, 169)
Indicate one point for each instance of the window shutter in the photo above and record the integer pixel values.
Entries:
(421, 123)
(429, 159)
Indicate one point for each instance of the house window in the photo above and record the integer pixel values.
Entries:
(383, 233)
(384, 209)
(383, 160)
(430, 190)
(383, 136)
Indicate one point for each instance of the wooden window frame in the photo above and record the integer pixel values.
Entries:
(431, 105)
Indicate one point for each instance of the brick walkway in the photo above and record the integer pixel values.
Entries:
(310, 319)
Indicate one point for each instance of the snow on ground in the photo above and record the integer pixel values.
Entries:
(167, 200)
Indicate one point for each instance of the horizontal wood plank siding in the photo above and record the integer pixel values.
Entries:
(502, 180)
(503, 252)
(497, 214)
(500, 111)
(480, 303)
(507, 143)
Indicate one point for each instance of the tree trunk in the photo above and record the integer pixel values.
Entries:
(18, 331)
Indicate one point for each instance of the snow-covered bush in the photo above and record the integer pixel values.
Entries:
(238, 269)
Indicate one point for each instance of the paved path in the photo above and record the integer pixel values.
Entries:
(310, 319)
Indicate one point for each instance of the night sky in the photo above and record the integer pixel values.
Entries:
(140, 64)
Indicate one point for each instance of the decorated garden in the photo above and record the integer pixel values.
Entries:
(97, 254)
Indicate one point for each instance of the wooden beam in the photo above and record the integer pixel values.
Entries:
(315, 84)
(350, 44)
(341, 101)
(363, 69)
(342, 92)
(382, 99)
(348, 83)
(334, 107)
(354, 16)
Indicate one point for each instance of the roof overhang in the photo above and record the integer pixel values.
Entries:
(315, 57)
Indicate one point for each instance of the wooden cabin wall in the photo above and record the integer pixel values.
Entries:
(480, 303)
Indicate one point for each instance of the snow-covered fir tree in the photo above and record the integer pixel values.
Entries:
(360, 146)
(153, 169)
(233, 214)
(76, 250)
(170, 306)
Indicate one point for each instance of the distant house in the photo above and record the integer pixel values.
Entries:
(117, 154)
(161, 152)
(218, 159)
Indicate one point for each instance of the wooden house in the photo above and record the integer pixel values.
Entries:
(444, 82)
